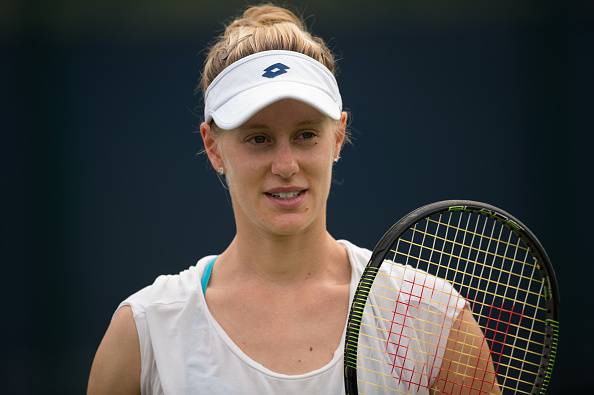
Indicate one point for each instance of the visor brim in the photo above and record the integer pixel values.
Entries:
(246, 104)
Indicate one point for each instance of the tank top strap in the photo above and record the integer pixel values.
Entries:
(206, 274)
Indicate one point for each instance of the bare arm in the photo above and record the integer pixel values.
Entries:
(467, 367)
(116, 368)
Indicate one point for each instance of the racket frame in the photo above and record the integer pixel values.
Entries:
(382, 248)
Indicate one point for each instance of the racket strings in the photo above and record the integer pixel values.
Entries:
(427, 322)
(477, 315)
(457, 377)
(467, 344)
(511, 248)
(493, 271)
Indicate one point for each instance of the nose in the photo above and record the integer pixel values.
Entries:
(284, 162)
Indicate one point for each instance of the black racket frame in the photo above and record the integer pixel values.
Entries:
(383, 247)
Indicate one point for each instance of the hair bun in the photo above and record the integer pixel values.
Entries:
(268, 14)
(262, 28)
(265, 15)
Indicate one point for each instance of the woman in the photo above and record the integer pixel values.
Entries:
(268, 314)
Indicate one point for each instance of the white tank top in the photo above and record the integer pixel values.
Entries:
(185, 351)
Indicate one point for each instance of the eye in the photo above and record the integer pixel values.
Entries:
(307, 135)
(258, 139)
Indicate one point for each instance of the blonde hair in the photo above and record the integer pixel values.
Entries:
(262, 28)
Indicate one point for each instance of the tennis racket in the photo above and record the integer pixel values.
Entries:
(459, 297)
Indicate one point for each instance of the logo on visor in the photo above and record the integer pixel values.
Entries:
(275, 70)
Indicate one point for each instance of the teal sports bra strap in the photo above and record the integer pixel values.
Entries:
(206, 273)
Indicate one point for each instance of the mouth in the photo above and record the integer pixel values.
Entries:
(286, 195)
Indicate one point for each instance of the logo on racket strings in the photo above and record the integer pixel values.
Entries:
(275, 70)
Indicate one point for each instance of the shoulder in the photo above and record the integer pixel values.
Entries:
(116, 366)
(167, 289)
(415, 286)
(358, 256)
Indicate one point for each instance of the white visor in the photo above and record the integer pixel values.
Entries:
(256, 81)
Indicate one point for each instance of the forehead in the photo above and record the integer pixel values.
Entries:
(285, 113)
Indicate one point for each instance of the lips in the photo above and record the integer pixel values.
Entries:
(286, 197)
(285, 192)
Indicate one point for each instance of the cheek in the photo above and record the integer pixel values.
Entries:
(246, 165)
(320, 167)
(242, 171)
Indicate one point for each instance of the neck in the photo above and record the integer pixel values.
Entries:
(282, 260)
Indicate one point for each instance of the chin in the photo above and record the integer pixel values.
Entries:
(289, 225)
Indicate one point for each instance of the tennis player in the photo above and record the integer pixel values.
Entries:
(266, 315)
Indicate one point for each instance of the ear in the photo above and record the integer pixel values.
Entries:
(210, 146)
(341, 134)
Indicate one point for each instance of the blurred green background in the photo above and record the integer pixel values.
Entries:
(103, 190)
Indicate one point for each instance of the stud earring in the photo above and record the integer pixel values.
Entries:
(221, 171)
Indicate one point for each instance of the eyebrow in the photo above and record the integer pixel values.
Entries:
(298, 124)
